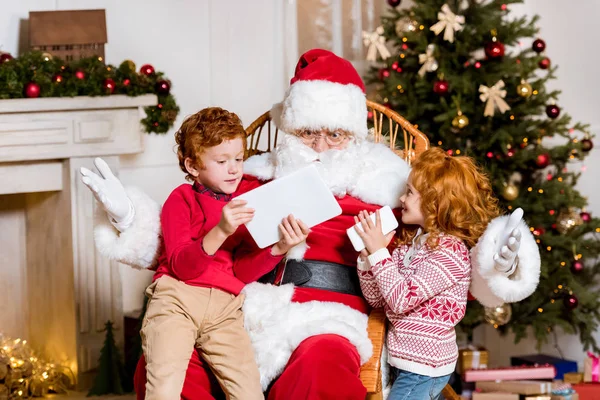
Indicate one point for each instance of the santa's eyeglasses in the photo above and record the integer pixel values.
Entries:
(331, 138)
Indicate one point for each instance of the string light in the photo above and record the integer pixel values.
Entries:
(540, 310)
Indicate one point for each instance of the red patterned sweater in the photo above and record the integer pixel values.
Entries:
(424, 294)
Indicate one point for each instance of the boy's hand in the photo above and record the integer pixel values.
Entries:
(293, 232)
(371, 233)
(234, 214)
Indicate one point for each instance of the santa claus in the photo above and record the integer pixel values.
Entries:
(309, 327)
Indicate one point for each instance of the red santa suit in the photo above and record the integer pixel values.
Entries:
(310, 343)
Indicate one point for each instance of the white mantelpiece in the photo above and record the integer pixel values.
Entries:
(57, 290)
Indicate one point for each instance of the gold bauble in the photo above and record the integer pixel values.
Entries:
(130, 65)
(46, 56)
(460, 121)
(568, 220)
(510, 192)
(524, 89)
(499, 315)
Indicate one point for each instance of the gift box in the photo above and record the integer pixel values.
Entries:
(591, 368)
(573, 377)
(563, 391)
(472, 358)
(520, 387)
(510, 374)
(495, 396)
(588, 391)
(562, 366)
(573, 396)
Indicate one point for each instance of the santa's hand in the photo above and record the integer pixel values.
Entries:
(110, 193)
(293, 232)
(506, 259)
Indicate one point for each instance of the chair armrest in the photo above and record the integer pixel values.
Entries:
(370, 372)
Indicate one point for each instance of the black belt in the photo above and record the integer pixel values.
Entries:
(318, 275)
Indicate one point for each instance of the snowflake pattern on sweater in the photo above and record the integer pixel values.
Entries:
(423, 299)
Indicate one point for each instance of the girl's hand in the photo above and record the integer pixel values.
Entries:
(371, 233)
(293, 232)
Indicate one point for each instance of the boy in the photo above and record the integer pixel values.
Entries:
(195, 298)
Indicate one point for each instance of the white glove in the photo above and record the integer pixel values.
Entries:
(506, 259)
(110, 193)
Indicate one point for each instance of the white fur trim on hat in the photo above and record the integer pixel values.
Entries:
(323, 104)
(493, 288)
(277, 326)
(139, 245)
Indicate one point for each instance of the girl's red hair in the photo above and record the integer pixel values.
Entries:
(456, 197)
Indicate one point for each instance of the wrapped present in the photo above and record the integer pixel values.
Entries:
(562, 366)
(510, 374)
(472, 357)
(588, 391)
(519, 387)
(573, 377)
(591, 368)
(563, 391)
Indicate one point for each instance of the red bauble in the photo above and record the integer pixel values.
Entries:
(57, 78)
(5, 57)
(585, 216)
(31, 90)
(571, 302)
(542, 160)
(494, 50)
(126, 82)
(395, 65)
(552, 111)
(441, 87)
(576, 267)
(370, 115)
(79, 74)
(163, 87)
(394, 3)
(587, 145)
(538, 45)
(387, 105)
(147, 69)
(544, 63)
(383, 73)
(539, 231)
(109, 85)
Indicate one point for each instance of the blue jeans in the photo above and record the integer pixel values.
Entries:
(411, 386)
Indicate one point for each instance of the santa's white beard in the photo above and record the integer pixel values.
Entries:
(336, 167)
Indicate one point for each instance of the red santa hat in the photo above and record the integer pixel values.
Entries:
(325, 92)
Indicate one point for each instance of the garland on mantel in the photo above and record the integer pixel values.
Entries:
(38, 74)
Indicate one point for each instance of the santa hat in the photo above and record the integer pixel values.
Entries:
(325, 92)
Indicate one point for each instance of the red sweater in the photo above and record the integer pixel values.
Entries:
(187, 216)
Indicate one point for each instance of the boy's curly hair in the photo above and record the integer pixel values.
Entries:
(456, 197)
(207, 128)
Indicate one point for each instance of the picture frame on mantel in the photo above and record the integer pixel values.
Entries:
(69, 35)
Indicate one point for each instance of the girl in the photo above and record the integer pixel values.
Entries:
(423, 284)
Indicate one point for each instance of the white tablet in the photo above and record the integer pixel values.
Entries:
(303, 194)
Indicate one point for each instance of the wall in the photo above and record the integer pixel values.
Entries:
(227, 53)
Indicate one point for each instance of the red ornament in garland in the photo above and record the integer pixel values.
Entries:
(494, 50)
(5, 57)
(79, 74)
(394, 3)
(552, 111)
(57, 78)
(147, 69)
(571, 302)
(539, 231)
(585, 216)
(126, 82)
(576, 267)
(538, 45)
(544, 63)
(441, 87)
(109, 85)
(542, 160)
(395, 65)
(31, 90)
(383, 73)
(163, 87)
(587, 145)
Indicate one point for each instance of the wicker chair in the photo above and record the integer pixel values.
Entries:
(387, 124)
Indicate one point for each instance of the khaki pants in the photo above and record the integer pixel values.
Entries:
(180, 317)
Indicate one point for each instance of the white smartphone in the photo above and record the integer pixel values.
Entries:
(388, 224)
(512, 223)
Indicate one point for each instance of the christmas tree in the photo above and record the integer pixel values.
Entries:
(459, 70)
(111, 373)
